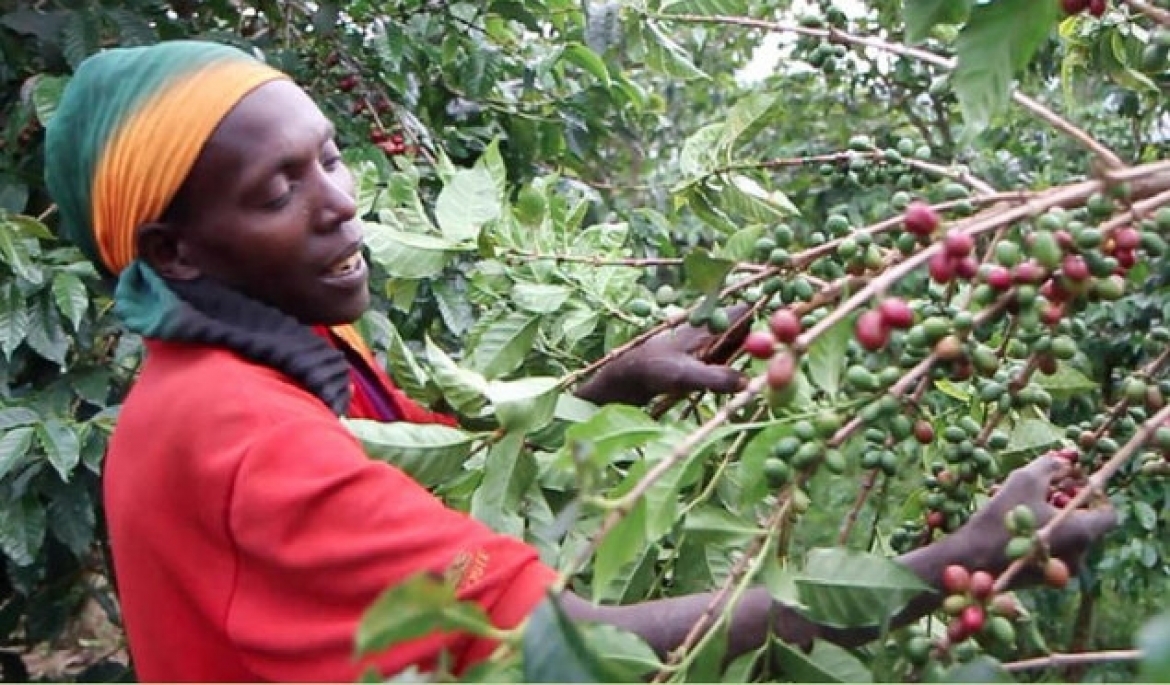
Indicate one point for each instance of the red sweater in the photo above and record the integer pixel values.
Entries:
(250, 531)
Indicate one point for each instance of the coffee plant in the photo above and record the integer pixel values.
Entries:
(943, 222)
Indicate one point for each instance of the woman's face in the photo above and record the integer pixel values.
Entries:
(268, 210)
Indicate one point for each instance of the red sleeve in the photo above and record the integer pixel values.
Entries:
(321, 530)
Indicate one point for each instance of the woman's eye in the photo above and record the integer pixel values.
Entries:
(279, 202)
(331, 162)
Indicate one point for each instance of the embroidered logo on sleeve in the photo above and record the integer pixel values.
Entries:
(467, 569)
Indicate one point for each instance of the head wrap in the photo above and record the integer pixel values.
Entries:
(127, 131)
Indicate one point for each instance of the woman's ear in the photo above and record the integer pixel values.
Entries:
(160, 245)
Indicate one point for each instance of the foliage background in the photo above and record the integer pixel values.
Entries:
(598, 132)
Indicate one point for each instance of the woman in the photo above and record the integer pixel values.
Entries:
(249, 530)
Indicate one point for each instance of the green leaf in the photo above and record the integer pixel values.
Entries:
(612, 430)
(61, 446)
(29, 227)
(700, 153)
(540, 298)
(845, 588)
(781, 583)
(467, 202)
(71, 297)
(705, 273)
(15, 253)
(22, 529)
(626, 653)
(826, 357)
(751, 462)
(621, 548)
(404, 368)
(716, 523)
(554, 652)
(431, 454)
(826, 663)
(524, 405)
(1066, 382)
(997, 41)
(46, 335)
(590, 62)
(508, 472)
(1031, 435)
(15, 319)
(748, 199)
(418, 606)
(408, 255)
(14, 444)
(668, 57)
(741, 246)
(1154, 641)
(71, 515)
(746, 118)
(46, 94)
(502, 347)
(922, 15)
(463, 389)
(12, 417)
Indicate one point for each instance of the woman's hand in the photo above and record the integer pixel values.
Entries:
(666, 363)
(1029, 485)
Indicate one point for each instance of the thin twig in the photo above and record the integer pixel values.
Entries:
(1157, 14)
(1107, 156)
(1058, 660)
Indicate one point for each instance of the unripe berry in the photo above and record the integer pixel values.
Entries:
(785, 325)
(920, 218)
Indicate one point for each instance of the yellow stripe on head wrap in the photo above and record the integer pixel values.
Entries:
(151, 153)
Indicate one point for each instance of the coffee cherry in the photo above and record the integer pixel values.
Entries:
(948, 349)
(920, 218)
(957, 632)
(923, 432)
(956, 579)
(760, 344)
(1028, 273)
(965, 268)
(1056, 573)
(781, 370)
(936, 519)
(1005, 606)
(896, 313)
(777, 472)
(1074, 268)
(347, 83)
(785, 325)
(941, 268)
(1127, 238)
(998, 277)
(1071, 7)
(871, 331)
(972, 619)
(982, 585)
(1097, 7)
(957, 244)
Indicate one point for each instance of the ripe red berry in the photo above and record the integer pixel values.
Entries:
(982, 585)
(1056, 573)
(1028, 273)
(956, 579)
(936, 519)
(1074, 6)
(1060, 500)
(896, 313)
(397, 139)
(972, 619)
(940, 268)
(781, 370)
(999, 278)
(1065, 240)
(1074, 268)
(347, 83)
(785, 325)
(759, 344)
(956, 631)
(871, 331)
(958, 244)
(920, 218)
(1127, 238)
(377, 136)
(1125, 258)
(1097, 7)
(1052, 314)
(966, 268)
(1006, 606)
